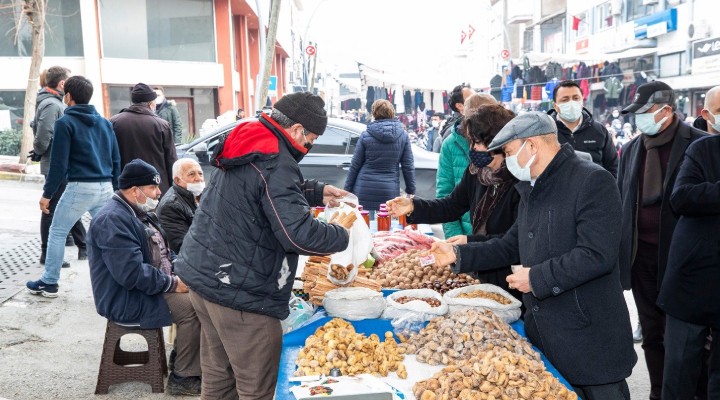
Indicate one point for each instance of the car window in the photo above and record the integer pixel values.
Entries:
(333, 141)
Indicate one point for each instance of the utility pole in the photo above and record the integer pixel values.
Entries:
(34, 10)
(312, 77)
(262, 89)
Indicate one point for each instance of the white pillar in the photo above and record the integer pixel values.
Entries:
(91, 51)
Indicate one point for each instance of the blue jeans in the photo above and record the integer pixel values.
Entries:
(78, 198)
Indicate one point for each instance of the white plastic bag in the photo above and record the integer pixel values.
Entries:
(300, 313)
(354, 303)
(360, 244)
(422, 310)
(507, 312)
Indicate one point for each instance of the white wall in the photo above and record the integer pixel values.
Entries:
(122, 71)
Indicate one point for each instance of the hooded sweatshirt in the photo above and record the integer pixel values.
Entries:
(84, 150)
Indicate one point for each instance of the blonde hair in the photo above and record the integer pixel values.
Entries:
(383, 109)
(476, 100)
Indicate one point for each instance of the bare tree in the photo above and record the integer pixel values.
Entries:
(34, 15)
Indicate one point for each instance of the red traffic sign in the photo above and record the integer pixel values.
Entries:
(310, 50)
(505, 54)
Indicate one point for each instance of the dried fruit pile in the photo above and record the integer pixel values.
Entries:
(406, 272)
(429, 300)
(481, 294)
(337, 345)
(316, 283)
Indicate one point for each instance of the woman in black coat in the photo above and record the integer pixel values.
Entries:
(487, 190)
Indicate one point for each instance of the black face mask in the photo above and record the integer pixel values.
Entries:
(480, 159)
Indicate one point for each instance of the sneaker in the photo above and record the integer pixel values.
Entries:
(42, 288)
(179, 386)
(637, 334)
(82, 253)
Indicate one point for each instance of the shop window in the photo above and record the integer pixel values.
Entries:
(12, 103)
(603, 17)
(63, 30)
(181, 30)
(640, 8)
(674, 64)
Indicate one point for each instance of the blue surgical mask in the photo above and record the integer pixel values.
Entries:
(571, 110)
(646, 123)
(480, 159)
(715, 125)
(521, 173)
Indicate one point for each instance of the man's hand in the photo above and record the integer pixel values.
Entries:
(45, 205)
(181, 286)
(400, 206)
(331, 194)
(444, 254)
(457, 240)
(520, 280)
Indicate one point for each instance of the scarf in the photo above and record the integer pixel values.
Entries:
(653, 175)
(497, 184)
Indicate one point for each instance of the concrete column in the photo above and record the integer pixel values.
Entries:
(90, 21)
(223, 28)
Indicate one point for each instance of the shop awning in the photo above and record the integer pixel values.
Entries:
(631, 53)
(692, 81)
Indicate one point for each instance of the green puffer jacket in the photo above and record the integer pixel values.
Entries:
(169, 112)
(454, 160)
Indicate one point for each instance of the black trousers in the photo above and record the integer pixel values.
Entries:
(652, 318)
(77, 231)
(684, 358)
(614, 391)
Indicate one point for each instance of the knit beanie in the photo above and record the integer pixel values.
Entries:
(142, 93)
(306, 109)
(138, 173)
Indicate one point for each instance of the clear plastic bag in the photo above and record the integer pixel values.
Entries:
(360, 244)
(410, 323)
(300, 313)
(507, 312)
(354, 303)
(395, 310)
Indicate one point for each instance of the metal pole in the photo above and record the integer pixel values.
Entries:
(312, 77)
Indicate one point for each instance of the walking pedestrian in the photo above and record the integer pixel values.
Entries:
(167, 110)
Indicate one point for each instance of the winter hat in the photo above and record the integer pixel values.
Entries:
(138, 173)
(142, 93)
(306, 109)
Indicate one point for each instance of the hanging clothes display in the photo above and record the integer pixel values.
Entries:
(421, 116)
(437, 101)
(399, 99)
(446, 106)
(370, 97)
(408, 100)
(613, 86)
(550, 87)
(426, 99)
(418, 99)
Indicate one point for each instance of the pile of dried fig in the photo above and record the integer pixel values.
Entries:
(406, 272)
(481, 294)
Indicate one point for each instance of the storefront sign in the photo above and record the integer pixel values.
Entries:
(656, 24)
(581, 46)
(706, 55)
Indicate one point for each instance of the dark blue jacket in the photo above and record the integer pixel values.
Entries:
(127, 288)
(375, 171)
(84, 149)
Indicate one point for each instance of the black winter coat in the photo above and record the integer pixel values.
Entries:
(568, 236)
(689, 291)
(464, 198)
(142, 134)
(633, 154)
(175, 212)
(242, 249)
(591, 138)
(381, 151)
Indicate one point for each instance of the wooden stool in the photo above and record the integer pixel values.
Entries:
(118, 366)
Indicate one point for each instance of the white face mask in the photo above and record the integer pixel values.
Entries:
(615, 114)
(646, 123)
(521, 173)
(716, 124)
(159, 99)
(571, 110)
(149, 204)
(435, 124)
(196, 188)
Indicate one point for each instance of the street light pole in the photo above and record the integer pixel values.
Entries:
(312, 77)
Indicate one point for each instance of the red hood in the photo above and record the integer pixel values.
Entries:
(255, 139)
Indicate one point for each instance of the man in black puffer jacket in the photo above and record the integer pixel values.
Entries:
(240, 255)
(577, 127)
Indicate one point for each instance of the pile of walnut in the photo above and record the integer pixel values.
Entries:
(429, 300)
(339, 272)
(496, 374)
(406, 272)
(484, 295)
(463, 335)
(337, 345)
(316, 283)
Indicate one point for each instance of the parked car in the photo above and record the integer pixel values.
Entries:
(329, 160)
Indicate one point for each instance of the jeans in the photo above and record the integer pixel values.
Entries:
(78, 198)
(77, 231)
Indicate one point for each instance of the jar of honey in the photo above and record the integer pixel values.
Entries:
(366, 216)
(318, 210)
(402, 219)
(383, 221)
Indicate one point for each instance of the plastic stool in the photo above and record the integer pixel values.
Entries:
(119, 366)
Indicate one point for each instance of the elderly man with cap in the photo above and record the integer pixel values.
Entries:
(649, 165)
(142, 134)
(240, 255)
(132, 274)
(566, 239)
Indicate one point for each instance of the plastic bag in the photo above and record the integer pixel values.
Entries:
(300, 313)
(354, 303)
(424, 311)
(360, 243)
(409, 323)
(507, 312)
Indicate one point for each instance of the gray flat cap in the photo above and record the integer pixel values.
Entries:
(533, 123)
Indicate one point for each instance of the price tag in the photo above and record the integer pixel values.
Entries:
(426, 260)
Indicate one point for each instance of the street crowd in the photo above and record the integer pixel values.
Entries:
(543, 204)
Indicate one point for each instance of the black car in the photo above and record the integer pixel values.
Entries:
(329, 160)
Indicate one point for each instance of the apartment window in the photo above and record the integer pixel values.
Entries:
(181, 30)
(581, 24)
(640, 8)
(674, 64)
(63, 30)
(603, 17)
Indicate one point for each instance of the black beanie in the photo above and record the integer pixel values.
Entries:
(306, 109)
(138, 173)
(142, 93)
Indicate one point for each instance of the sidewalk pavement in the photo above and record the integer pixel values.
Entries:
(12, 169)
(50, 348)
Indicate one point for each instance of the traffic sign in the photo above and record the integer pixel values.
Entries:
(505, 54)
(272, 85)
(310, 50)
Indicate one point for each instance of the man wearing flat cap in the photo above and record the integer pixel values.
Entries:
(132, 275)
(648, 168)
(566, 239)
(142, 134)
(240, 255)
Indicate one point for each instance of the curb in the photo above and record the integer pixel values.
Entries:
(20, 177)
